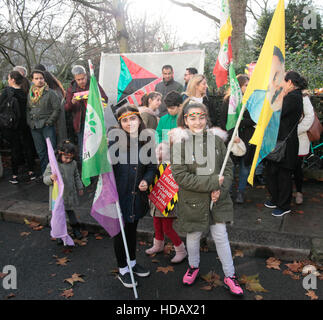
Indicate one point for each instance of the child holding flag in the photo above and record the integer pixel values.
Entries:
(164, 225)
(73, 185)
(132, 181)
(197, 157)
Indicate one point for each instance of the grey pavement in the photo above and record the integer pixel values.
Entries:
(295, 236)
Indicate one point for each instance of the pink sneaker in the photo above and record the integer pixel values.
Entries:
(233, 285)
(190, 276)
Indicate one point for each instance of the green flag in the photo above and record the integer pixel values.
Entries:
(94, 160)
(235, 101)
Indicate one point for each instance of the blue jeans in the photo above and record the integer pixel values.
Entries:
(243, 175)
(39, 137)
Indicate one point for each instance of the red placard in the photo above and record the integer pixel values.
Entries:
(164, 190)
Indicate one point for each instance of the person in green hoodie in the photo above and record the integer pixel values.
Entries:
(173, 101)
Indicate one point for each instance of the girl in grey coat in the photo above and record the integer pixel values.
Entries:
(73, 185)
(196, 160)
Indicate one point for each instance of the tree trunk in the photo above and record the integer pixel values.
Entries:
(122, 33)
(239, 20)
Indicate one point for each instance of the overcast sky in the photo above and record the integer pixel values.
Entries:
(191, 26)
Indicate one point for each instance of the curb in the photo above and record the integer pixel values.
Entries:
(240, 239)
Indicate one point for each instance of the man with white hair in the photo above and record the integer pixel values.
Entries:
(76, 102)
(22, 70)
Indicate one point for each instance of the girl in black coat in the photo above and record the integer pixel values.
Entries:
(19, 136)
(279, 174)
(133, 178)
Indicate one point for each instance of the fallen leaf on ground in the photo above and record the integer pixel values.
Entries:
(11, 295)
(62, 261)
(168, 248)
(212, 279)
(2, 275)
(23, 234)
(295, 266)
(273, 263)
(252, 283)
(142, 243)
(67, 293)
(258, 297)
(311, 294)
(75, 278)
(238, 253)
(315, 200)
(26, 221)
(291, 274)
(155, 261)
(165, 269)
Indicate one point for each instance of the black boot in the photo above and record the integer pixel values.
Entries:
(260, 180)
(77, 232)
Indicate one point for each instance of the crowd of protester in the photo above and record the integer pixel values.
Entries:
(181, 116)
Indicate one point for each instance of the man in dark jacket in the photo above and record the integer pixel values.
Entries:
(42, 113)
(167, 85)
(76, 102)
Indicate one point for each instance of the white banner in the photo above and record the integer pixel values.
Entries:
(151, 61)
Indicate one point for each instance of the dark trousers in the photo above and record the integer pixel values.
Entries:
(72, 218)
(130, 230)
(21, 145)
(279, 184)
(39, 136)
(298, 174)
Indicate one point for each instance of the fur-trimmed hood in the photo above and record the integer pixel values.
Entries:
(148, 110)
(177, 135)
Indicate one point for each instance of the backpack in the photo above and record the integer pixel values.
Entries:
(9, 112)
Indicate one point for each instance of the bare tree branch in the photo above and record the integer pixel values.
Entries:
(197, 9)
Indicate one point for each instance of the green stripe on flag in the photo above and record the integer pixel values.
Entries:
(124, 79)
(235, 101)
(94, 159)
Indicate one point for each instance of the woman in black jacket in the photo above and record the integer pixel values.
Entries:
(279, 174)
(19, 136)
(133, 176)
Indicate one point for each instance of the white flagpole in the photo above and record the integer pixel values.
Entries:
(232, 140)
(127, 251)
(120, 214)
(235, 131)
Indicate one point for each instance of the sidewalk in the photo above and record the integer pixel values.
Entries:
(296, 236)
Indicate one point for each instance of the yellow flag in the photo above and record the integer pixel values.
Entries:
(264, 94)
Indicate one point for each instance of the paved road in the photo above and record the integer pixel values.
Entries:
(39, 277)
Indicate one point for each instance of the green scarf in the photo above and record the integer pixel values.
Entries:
(36, 93)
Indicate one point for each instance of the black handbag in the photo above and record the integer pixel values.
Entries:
(278, 154)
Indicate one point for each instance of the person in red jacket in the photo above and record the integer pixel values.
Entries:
(76, 102)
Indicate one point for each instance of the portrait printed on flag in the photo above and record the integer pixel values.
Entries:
(275, 92)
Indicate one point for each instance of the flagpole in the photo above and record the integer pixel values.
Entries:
(232, 140)
(226, 158)
(126, 250)
(119, 214)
